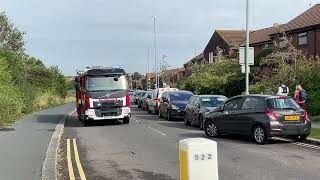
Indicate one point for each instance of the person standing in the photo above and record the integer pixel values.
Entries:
(283, 90)
(300, 96)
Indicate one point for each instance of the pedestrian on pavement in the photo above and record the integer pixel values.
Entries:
(300, 96)
(283, 90)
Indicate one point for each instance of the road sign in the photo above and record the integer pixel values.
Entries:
(242, 52)
(198, 159)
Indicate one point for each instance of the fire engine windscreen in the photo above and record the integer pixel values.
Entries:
(106, 83)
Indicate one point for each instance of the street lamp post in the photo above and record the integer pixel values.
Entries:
(155, 51)
(247, 48)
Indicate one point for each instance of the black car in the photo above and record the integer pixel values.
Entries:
(199, 105)
(173, 104)
(259, 116)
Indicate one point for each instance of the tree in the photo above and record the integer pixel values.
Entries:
(136, 76)
(10, 37)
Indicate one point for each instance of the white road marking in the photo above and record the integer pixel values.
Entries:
(144, 115)
(297, 143)
(157, 131)
(137, 121)
(307, 145)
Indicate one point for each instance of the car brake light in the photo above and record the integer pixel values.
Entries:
(87, 101)
(127, 101)
(306, 116)
(272, 115)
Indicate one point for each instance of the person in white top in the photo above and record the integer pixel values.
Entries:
(283, 90)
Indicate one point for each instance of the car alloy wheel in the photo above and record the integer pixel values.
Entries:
(211, 129)
(201, 122)
(168, 115)
(186, 122)
(260, 135)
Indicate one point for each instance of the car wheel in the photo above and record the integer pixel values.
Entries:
(169, 115)
(160, 114)
(126, 120)
(186, 122)
(201, 122)
(86, 123)
(260, 135)
(211, 129)
(300, 138)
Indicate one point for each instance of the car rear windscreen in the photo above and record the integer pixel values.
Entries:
(178, 96)
(212, 101)
(282, 103)
(106, 83)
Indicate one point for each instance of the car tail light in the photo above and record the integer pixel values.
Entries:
(158, 102)
(272, 115)
(127, 100)
(87, 101)
(306, 116)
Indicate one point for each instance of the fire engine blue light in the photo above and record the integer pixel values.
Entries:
(99, 104)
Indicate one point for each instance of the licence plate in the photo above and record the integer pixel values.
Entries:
(292, 118)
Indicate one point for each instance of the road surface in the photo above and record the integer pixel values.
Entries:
(147, 148)
(24, 145)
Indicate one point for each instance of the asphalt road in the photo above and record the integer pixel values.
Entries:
(147, 148)
(23, 146)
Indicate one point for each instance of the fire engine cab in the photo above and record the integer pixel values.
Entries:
(102, 93)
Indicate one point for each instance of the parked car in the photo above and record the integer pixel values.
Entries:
(132, 95)
(259, 116)
(199, 105)
(145, 100)
(154, 104)
(140, 98)
(173, 104)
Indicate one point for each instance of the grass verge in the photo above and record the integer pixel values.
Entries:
(315, 133)
(315, 118)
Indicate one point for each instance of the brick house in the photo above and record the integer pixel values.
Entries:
(303, 33)
(199, 59)
(228, 41)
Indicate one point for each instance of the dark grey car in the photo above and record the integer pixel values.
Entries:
(199, 105)
(259, 116)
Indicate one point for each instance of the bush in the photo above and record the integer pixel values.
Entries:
(222, 77)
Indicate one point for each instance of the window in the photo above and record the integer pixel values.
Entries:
(212, 101)
(211, 57)
(303, 38)
(180, 96)
(283, 42)
(197, 101)
(279, 103)
(266, 46)
(233, 105)
(253, 103)
(191, 101)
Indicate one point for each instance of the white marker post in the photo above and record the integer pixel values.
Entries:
(198, 159)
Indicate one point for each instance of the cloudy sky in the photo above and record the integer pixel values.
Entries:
(78, 33)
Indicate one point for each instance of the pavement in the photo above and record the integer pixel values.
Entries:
(24, 145)
(147, 148)
(316, 125)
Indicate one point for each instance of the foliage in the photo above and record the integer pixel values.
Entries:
(222, 77)
(292, 68)
(10, 37)
(262, 54)
(136, 76)
(26, 84)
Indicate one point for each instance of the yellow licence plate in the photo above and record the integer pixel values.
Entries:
(292, 118)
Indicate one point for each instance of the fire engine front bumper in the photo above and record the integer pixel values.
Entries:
(92, 115)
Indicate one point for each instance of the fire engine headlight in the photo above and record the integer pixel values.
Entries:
(90, 113)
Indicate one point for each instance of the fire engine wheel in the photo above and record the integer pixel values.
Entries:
(126, 120)
(87, 123)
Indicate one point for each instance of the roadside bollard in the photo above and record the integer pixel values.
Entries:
(198, 159)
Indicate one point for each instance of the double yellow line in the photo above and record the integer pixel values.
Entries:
(77, 159)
